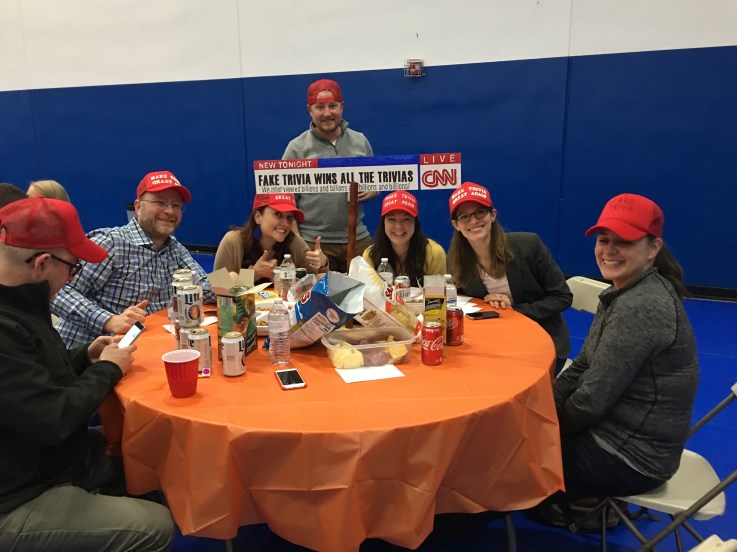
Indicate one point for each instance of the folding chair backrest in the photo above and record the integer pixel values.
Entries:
(585, 293)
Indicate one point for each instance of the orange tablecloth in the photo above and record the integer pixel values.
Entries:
(332, 464)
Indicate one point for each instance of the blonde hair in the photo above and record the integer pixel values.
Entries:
(50, 189)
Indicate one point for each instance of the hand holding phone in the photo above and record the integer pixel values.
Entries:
(290, 378)
(131, 335)
(481, 315)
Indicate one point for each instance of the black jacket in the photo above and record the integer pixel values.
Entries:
(539, 289)
(46, 395)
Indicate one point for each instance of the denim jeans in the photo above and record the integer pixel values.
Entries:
(591, 472)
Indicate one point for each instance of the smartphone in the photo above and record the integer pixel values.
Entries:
(131, 335)
(290, 379)
(481, 315)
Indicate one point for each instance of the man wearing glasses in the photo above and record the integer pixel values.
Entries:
(50, 460)
(108, 298)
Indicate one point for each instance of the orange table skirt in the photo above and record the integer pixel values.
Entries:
(332, 464)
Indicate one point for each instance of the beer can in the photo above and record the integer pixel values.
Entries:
(401, 288)
(184, 337)
(232, 348)
(199, 340)
(179, 281)
(432, 343)
(189, 306)
(184, 273)
(454, 322)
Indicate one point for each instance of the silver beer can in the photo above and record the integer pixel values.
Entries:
(401, 288)
(199, 340)
(184, 337)
(189, 306)
(233, 346)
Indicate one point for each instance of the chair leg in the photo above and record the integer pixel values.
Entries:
(511, 534)
(228, 545)
(694, 533)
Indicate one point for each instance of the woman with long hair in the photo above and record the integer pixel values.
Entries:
(265, 238)
(513, 270)
(624, 404)
(400, 239)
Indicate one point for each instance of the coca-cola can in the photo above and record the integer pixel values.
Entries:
(454, 321)
(432, 343)
(401, 288)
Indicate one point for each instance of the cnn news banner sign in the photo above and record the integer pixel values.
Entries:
(426, 171)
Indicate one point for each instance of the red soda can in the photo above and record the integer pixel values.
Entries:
(454, 320)
(432, 343)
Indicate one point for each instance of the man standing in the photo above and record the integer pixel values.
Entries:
(49, 460)
(326, 215)
(135, 278)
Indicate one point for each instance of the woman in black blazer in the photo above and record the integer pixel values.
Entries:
(512, 270)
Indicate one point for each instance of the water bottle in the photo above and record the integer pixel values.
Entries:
(451, 293)
(279, 353)
(287, 274)
(385, 271)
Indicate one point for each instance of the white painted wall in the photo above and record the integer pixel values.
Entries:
(52, 43)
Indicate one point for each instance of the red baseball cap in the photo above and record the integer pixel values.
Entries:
(162, 180)
(42, 223)
(320, 85)
(631, 217)
(400, 201)
(469, 192)
(279, 202)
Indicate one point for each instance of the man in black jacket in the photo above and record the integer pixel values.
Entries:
(49, 460)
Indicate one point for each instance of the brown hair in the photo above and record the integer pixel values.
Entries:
(252, 251)
(670, 269)
(461, 257)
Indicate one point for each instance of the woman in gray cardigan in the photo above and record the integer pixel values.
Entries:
(513, 270)
(624, 405)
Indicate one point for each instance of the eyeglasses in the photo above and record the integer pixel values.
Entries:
(478, 214)
(74, 268)
(164, 204)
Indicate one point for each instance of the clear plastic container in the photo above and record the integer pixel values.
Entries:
(385, 271)
(288, 273)
(368, 347)
(451, 293)
(279, 323)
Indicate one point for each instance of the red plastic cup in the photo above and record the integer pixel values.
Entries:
(181, 371)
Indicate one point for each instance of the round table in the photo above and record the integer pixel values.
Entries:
(332, 464)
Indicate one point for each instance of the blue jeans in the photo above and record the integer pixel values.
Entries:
(591, 472)
(70, 518)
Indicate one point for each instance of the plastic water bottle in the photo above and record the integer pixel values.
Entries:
(279, 352)
(385, 271)
(288, 273)
(451, 293)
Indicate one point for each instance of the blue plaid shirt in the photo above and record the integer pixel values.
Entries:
(132, 272)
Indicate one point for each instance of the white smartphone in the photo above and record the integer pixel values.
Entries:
(131, 335)
(290, 379)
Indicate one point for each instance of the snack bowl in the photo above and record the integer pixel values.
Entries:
(356, 347)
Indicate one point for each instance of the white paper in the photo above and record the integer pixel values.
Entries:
(369, 373)
(206, 321)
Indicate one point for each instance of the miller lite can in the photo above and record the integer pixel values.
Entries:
(401, 288)
(199, 340)
(432, 343)
(189, 306)
(454, 321)
(232, 347)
